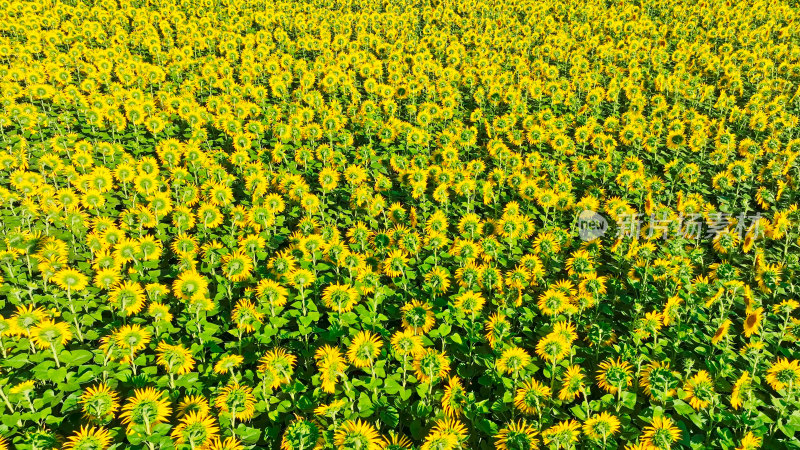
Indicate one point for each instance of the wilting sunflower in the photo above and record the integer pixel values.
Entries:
(146, 408)
(356, 434)
(89, 438)
(517, 436)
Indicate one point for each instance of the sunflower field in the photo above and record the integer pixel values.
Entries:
(408, 224)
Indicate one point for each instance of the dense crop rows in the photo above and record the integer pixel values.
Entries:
(306, 224)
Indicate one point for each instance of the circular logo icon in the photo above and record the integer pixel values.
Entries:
(591, 225)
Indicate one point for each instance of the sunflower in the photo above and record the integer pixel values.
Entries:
(431, 365)
(699, 390)
(563, 434)
(784, 374)
(341, 298)
(189, 285)
(89, 438)
(417, 316)
(192, 403)
(572, 383)
(742, 386)
(227, 363)
(661, 433)
(99, 403)
(176, 359)
(71, 280)
(553, 347)
(407, 343)
(531, 397)
(146, 408)
(512, 361)
(396, 442)
(246, 316)
(237, 266)
(454, 398)
(302, 434)
(271, 292)
(357, 435)
(280, 364)
(470, 303)
(49, 334)
(614, 375)
(331, 409)
(364, 348)
(722, 332)
(128, 297)
(25, 318)
(517, 436)
(749, 442)
(752, 323)
(237, 401)
(195, 429)
(657, 376)
(497, 327)
(601, 426)
(226, 444)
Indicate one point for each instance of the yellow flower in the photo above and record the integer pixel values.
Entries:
(699, 390)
